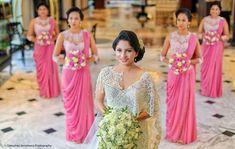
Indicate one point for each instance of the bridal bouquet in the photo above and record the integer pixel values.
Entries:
(179, 63)
(44, 38)
(118, 129)
(75, 59)
(211, 37)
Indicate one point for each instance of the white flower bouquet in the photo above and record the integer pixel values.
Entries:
(44, 38)
(119, 129)
(211, 37)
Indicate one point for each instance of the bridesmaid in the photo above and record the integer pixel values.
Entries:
(180, 114)
(76, 78)
(43, 31)
(212, 51)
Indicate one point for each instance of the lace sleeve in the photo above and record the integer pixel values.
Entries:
(154, 111)
(99, 84)
(152, 96)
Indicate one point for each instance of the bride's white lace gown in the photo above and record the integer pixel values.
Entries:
(141, 96)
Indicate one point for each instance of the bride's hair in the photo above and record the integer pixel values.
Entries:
(133, 41)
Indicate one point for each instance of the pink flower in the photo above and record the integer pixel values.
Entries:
(179, 63)
(75, 59)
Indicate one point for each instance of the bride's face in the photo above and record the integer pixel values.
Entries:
(125, 54)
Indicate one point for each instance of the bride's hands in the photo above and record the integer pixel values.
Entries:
(142, 116)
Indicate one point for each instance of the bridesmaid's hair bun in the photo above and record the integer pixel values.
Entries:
(185, 11)
(216, 3)
(75, 9)
(42, 4)
(136, 44)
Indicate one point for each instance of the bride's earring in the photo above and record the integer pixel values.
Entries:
(135, 59)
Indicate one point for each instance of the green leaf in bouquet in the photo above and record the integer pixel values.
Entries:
(108, 110)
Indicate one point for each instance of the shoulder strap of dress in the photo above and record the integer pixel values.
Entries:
(86, 36)
(52, 23)
(221, 26)
(192, 45)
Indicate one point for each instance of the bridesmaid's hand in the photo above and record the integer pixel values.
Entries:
(61, 59)
(90, 60)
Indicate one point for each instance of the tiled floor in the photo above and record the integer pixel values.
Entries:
(30, 122)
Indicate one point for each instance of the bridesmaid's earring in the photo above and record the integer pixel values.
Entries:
(80, 24)
(188, 26)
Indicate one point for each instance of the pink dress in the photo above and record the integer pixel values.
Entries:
(211, 68)
(180, 115)
(46, 68)
(77, 88)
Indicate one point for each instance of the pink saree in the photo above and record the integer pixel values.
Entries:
(46, 68)
(180, 115)
(77, 92)
(211, 68)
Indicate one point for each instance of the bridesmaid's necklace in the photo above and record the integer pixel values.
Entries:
(213, 21)
(182, 38)
(43, 22)
(75, 37)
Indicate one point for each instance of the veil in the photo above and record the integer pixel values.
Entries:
(91, 140)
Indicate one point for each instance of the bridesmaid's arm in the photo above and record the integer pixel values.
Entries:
(225, 32)
(94, 51)
(197, 55)
(57, 50)
(30, 35)
(201, 29)
(56, 31)
(164, 52)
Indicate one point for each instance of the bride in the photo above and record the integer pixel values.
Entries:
(126, 84)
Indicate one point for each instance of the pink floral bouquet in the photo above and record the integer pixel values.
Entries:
(75, 59)
(44, 38)
(179, 63)
(211, 37)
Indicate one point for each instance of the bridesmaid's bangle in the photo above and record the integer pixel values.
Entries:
(224, 37)
(30, 38)
(96, 58)
(200, 60)
(55, 59)
(162, 58)
(199, 36)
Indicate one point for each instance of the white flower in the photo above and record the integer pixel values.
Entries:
(83, 64)
(171, 60)
(40, 37)
(118, 129)
(141, 42)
